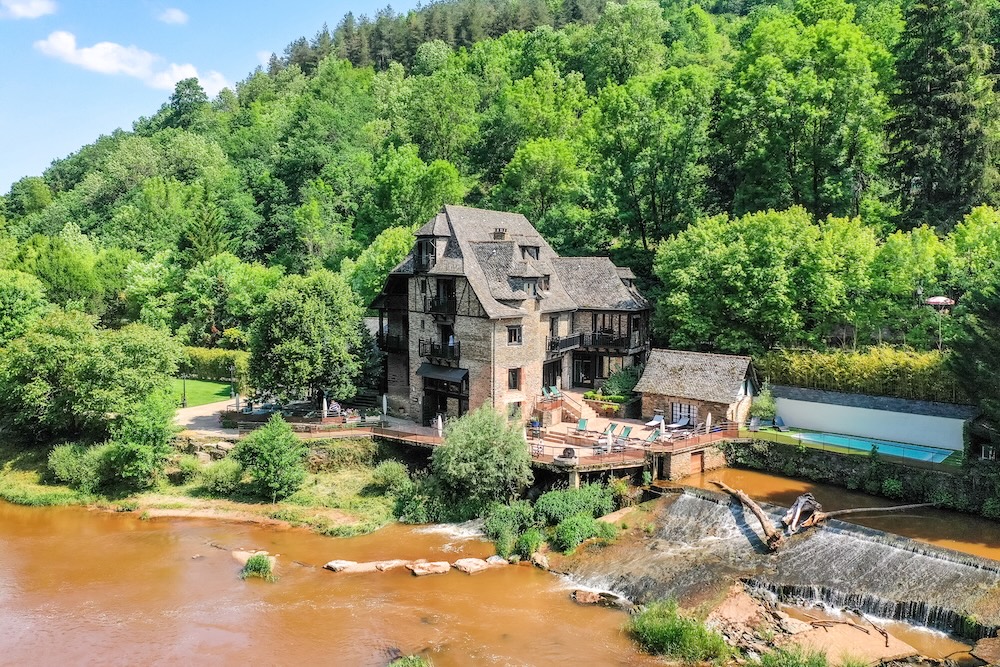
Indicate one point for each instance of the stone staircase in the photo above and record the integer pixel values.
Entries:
(575, 407)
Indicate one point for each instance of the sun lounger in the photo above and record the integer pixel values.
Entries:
(754, 424)
(779, 424)
(656, 422)
(683, 422)
(581, 426)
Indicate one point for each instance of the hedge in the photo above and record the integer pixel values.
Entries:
(878, 371)
(214, 364)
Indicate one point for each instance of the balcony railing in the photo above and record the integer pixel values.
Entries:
(612, 340)
(434, 349)
(441, 305)
(391, 343)
(559, 344)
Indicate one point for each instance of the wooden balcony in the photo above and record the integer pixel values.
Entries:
(436, 351)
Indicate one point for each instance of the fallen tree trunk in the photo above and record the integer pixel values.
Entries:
(773, 537)
(816, 517)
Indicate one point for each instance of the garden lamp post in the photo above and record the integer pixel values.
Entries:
(184, 391)
(940, 303)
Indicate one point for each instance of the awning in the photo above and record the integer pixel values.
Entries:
(442, 372)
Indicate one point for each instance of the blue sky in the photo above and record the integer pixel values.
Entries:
(77, 69)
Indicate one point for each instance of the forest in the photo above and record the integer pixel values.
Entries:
(794, 174)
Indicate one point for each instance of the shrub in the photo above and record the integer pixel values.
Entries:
(763, 405)
(892, 488)
(258, 565)
(556, 506)
(222, 477)
(579, 527)
(504, 523)
(391, 477)
(662, 629)
(991, 508)
(133, 465)
(82, 467)
(411, 661)
(188, 468)
(529, 542)
(621, 382)
(334, 455)
(484, 459)
(274, 458)
(793, 657)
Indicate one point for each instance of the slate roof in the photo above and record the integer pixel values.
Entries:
(715, 378)
(594, 284)
(495, 268)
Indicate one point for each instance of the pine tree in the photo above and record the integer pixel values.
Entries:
(943, 139)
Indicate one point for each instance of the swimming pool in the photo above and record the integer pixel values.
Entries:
(915, 452)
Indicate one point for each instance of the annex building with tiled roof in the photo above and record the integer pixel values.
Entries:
(679, 384)
(483, 311)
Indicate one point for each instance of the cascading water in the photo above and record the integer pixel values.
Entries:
(704, 540)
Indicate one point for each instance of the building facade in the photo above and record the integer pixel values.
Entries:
(694, 385)
(483, 311)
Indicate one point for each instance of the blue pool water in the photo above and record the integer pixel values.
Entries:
(915, 452)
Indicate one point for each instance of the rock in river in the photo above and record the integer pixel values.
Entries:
(339, 565)
(471, 565)
(422, 568)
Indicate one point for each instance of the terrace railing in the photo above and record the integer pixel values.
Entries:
(437, 350)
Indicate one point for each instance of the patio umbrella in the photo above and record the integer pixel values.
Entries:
(938, 301)
(385, 405)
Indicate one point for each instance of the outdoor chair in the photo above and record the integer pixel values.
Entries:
(779, 424)
(619, 443)
(581, 426)
(554, 392)
(656, 421)
(754, 424)
(610, 430)
(683, 422)
(546, 394)
(652, 438)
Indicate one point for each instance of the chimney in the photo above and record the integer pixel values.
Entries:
(500, 234)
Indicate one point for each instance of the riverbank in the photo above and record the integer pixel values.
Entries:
(338, 498)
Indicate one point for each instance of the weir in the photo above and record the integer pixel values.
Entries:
(704, 540)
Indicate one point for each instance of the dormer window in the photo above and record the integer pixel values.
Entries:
(529, 252)
(543, 284)
(531, 287)
(426, 254)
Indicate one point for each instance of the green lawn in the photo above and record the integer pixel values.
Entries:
(200, 392)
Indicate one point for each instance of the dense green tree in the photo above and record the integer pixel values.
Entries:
(67, 267)
(976, 346)
(304, 335)
(367, 274)
(274, 458)
(975, 252)
(66, 377)
(22, 301)
(944, 131)
(484, 459)
(739, 285)
(628, 39)
(188, 104)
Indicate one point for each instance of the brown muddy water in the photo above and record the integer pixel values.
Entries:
(951, 530)
(80, 587)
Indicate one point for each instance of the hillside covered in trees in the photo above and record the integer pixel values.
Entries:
(801, 173)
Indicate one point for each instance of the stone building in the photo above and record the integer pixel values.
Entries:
(680, 384)
(483, 311)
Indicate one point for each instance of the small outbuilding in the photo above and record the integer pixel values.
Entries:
(692, 385)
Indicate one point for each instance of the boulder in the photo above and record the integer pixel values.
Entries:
(794, 626)
(585, 597)
(361, 567)
(540, 561)
(383, 565)
(497, 561)
(470, 565)
(988, 650)
(423, 568)
(339, 565)
(609, 600)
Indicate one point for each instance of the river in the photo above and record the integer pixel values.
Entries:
(92, 588)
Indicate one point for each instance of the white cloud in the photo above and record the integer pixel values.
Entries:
(264, 57)
(173, 16)
(26, 9)
(112, 58)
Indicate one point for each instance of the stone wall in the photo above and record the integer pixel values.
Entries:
(678, 465)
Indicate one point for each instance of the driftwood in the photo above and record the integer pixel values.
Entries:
(773, 536)
(817, 517)
(825, 623)
(803, 507)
